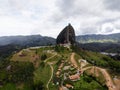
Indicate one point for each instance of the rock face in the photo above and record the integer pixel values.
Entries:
(66, 36)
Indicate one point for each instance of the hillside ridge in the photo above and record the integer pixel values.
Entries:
(114, 38)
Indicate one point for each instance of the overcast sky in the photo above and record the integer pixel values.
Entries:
(49, 17)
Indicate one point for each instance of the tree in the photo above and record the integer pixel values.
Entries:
(39, 86)
(43, 57)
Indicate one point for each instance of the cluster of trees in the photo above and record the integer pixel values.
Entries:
(17, 72)
(21, 72)
(88, 83)
(7, 50)
(43, 56)
(13, 74)
(116, 57)
(61, 49)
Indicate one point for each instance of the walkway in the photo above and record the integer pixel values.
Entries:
(47, 86)
(73, 61)
(109, 81)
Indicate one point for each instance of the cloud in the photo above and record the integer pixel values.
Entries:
(92, 16)
(24, 17)
(107, 28)
(14, 26)
(112, 4)
(89, 30)
(71, 8)
(49, 17)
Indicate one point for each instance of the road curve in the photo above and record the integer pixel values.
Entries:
(47, 86)
(109, 81)
(73, 61)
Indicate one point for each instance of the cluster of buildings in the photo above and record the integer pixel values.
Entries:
(67, 72)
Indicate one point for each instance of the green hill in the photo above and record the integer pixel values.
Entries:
(47, 68)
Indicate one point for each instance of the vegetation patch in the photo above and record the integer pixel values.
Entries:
(42, 75)
(88, 83)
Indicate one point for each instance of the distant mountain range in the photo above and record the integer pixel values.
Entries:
(100, 43)
(31, 40)
(38, 40)
(114, 38)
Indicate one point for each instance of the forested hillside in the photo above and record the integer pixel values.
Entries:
(114, 38)
(32, 40)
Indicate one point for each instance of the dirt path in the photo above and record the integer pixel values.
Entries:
(50, 64)
(73, 61)
(50, 57)
(109, 81)
(50, 77)
(84, 69)
(117, 83)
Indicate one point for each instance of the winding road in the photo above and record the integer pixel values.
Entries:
(73, 61)
(52, 70)
(50, 57)
(47, 86)
(109, 81)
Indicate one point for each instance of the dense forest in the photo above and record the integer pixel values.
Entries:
(101, 47)
(8, 50)
(31, 40)
(14, 73)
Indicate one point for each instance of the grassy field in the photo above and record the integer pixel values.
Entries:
(32, 55)
(42, 74)
(24, 56)
(55, 58)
